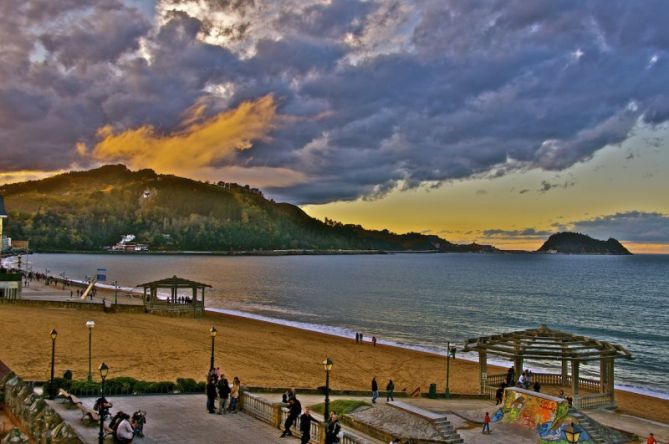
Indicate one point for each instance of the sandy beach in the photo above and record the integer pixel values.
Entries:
(260, 353)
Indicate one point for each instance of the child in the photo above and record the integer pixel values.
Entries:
(486, 423)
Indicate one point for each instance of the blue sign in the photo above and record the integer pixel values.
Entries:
(102, 274)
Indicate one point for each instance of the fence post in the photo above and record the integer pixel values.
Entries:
(276, 414)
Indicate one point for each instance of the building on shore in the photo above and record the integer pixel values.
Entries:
(4, 240)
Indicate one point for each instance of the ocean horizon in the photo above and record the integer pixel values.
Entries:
(421, 301)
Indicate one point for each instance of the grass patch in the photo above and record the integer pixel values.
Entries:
(341, 406)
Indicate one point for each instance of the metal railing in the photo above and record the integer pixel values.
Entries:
(594, 401)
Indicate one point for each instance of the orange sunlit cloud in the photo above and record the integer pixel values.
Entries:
(24, 175)
(200, 143)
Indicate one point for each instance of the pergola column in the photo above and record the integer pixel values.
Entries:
(574, 378)
(483, 371)
(603, 374)
(565, 366)
(517, 359)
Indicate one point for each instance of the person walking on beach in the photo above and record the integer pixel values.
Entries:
(333, 429)
(211, 396)
(305, 425)
(390, 388)
(234, 394)
(373, 341)
(486, 424)
(223, 394)
(375, 390)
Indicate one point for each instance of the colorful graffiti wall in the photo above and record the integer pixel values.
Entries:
(548, 415)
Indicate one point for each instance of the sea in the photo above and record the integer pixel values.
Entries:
(422, 301)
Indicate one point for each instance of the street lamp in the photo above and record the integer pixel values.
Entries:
(115, 292)
(212, 332)
(571, 434)
(104, 370)
(447, 393)
(327, 365)
(90, 325)
(54, 335)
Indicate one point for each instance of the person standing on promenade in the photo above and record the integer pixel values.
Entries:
(390, 388)
(211, 396)
(295, 409)
(375, 390)
(499, 394)
(510, 377)
(305, 425)
(486, 423)
(223, 393)
(234, 394)
(651, 439)
(373, 341)
(333, 429)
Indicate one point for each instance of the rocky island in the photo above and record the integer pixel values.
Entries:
(577, 243)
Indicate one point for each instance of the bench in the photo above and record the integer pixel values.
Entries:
(89, 415)
(73, 400)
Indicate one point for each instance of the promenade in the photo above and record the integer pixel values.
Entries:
(177, 419)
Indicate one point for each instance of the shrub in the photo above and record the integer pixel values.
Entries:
(188, 385)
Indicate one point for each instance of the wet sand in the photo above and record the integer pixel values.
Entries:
(260, 353)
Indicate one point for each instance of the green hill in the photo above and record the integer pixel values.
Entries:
(88, 210)
(577, 243)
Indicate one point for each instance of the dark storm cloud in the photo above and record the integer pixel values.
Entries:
(374, 95)
(631, 226)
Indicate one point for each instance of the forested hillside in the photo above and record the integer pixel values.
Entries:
(89, 210)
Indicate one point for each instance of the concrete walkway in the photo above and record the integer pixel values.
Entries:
(641, 427)
(178, 419)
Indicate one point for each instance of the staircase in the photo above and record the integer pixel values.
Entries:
(444, 427)
(598, 433)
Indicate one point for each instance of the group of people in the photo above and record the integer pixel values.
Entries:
(218, 387)
(390, 389)
(181, 300)
(359, 337)
(122, 426)
(333, 432)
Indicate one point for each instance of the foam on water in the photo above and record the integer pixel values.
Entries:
(347, 333)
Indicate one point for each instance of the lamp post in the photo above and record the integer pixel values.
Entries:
(212, 332)
(90, 325)
(327, 365)
(447, 392)
(104, 370)
(54, 335)
(115, 292)
(571, 434)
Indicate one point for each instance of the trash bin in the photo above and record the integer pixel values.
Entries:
(432, 394)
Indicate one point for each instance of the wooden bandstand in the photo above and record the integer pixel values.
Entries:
(544, 344)
(182, 300)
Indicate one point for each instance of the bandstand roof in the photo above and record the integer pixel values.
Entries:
(548, 344)
(174, 282)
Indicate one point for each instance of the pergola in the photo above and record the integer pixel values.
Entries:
(553, 345)
(173, 304)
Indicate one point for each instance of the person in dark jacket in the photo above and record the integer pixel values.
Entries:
(510, 377)
(295, 409)
(375, 390)
(390, 388)
(211, 396)
(305, 425)
(223, 393)
(332, 430)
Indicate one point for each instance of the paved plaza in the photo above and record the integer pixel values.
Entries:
(178, 419)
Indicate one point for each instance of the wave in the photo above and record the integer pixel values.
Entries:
(350, 334)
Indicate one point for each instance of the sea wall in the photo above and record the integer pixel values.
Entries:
(37, 418)
(121, 308)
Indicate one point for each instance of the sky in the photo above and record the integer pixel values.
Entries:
(494, 122)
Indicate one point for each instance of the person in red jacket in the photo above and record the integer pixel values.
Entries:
(651, 439)
(486, 423)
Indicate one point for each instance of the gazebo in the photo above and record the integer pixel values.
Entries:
(175, 304)
(552, 345)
